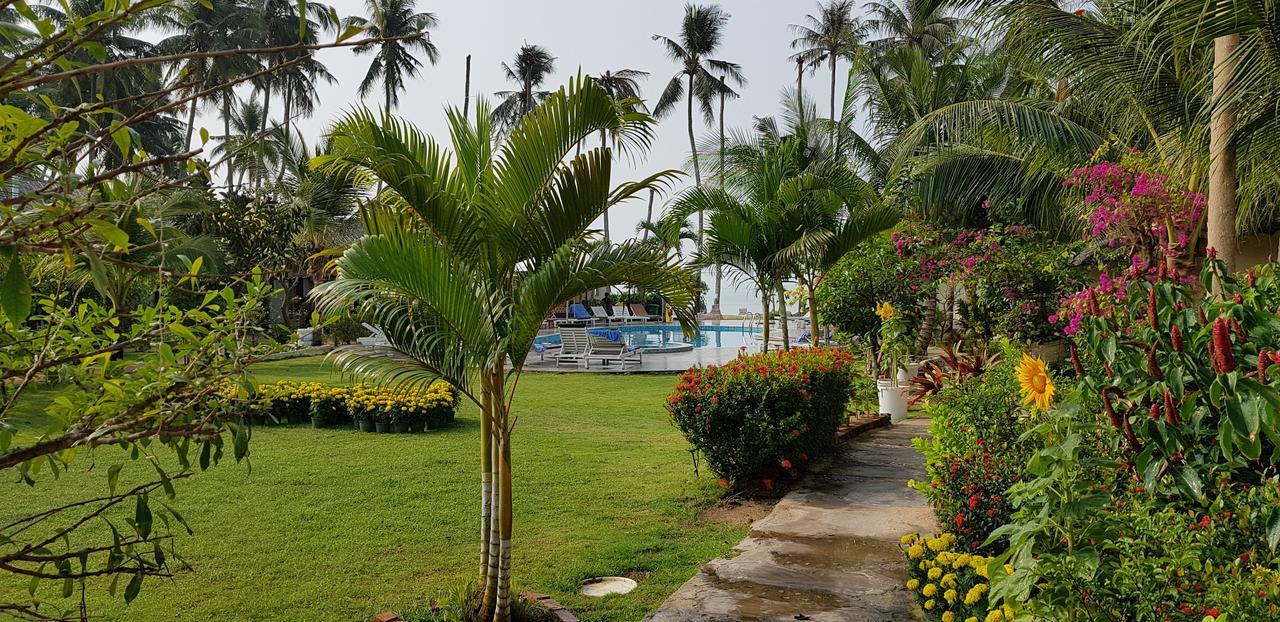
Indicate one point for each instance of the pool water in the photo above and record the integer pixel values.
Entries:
(664, 336)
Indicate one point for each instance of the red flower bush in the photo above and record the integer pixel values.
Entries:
(762, 414)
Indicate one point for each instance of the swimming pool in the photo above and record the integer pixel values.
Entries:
(668, 337)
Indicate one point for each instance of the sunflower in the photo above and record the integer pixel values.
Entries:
(1037, 388)
(885, 311)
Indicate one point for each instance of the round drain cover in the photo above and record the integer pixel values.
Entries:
(603, 586)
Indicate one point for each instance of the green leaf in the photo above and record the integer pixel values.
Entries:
(350, 31)
(1273, 532)
(135, 586)
(1189, 482)
(302, 21)
(142, 516)
(113, 477)
(204, 136)
(15, 290)
(124, 140)
(184, 332)
(109, 232)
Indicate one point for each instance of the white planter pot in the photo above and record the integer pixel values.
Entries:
(907, 372)
(893, 399)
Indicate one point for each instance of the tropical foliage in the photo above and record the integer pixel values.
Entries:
(467, 253)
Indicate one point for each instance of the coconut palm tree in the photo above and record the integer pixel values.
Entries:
(396, 56)
(623, 86)
(920, 24)
(699, 77)
(256, 153)
(468, 251)
(826, 38)
(282, 25)
(529, 69)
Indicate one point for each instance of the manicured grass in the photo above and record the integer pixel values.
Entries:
(338, 524)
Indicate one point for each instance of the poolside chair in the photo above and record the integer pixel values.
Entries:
(574, 345)
(638, 310)
(578, 313)
(609, 351)
(620, 314)
(599, 313)
(376, 337)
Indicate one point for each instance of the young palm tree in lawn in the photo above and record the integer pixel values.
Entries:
(831, 35)
(528, 70)
(698, 78)
(395, 60)
(623, 86)
(468, 251)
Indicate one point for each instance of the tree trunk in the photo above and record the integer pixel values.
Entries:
(715, 303)
(833, 103)
(487, 591)
(927, 323)
(502, 612)
(191, 122)
(800, 83)
(786, 330)
(603, 145)
(466, 95)
(649, 218)
(266, 107)
(1222, 231)
(813, 313)
(226, 135)
(764, 306)
(693, 149)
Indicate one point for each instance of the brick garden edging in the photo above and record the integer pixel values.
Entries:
(860, 424)
(550, 604)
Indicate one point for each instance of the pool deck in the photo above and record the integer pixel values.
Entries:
(652, 363)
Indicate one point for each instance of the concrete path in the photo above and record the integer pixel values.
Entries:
(828, 552)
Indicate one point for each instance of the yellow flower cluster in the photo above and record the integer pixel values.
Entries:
(289, 390)
(885, 311)
(950, 585)
(438, 395)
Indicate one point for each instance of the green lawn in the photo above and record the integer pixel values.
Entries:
(338, 525)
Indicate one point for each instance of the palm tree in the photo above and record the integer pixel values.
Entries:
(469, 251)
(208, 26)
(698, 78)
(623, 86)
(529, 69)
(830, 36)
(282, 25)
(255, 152)
(920, 24)
(404, 31)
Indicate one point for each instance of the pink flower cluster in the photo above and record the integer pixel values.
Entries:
(1133, 205)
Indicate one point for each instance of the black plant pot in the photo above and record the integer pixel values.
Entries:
(317, 422)
(382, 427)
(365, 425)
(400, 427)
(417, 425)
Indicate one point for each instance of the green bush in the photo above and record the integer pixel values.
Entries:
(345, 329)
(764, 415)
(975, 453)
(871, 274)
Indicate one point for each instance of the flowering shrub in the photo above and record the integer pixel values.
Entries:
(850, 291)
(433, 405)
(767, 414)
(975, 453)
(949, 585)
(294, 402)
(1140, 205)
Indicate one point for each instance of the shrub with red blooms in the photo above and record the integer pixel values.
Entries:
(765, 415)
(968, 493)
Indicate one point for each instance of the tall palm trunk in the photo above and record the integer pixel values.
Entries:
(800, 82)
(603, 145)
(266, 107)
(466, 95)
(715, 305)
(764, 306)
(810, 290)
(649, 217)
(786, 330)
(502, 438)
(191, 121)
(927, 323)
(833, 101)
(1222, 157)
(488, 566)
(693, 150)
(226, 134)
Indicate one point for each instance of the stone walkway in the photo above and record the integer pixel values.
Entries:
(828, 552)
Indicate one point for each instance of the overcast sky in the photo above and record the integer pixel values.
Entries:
(591, 36)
